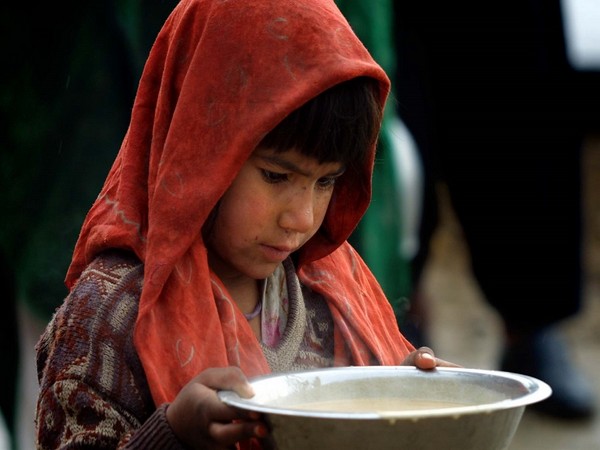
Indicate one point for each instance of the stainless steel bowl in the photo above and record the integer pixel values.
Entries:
(458, 409)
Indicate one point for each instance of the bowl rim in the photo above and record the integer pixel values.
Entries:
(537, 391)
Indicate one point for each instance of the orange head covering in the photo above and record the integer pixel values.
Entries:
(221, 75)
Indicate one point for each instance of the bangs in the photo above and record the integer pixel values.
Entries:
(339, 125)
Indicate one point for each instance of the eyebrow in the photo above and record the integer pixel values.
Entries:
(288, 165)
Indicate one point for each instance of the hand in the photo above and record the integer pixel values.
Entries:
(423, 358)
(200, 419)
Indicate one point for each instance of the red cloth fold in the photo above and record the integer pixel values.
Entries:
(220, 75)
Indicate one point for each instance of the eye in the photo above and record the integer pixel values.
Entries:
(273, 177)
(326, 182)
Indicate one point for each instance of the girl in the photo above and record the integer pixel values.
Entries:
(217, 248)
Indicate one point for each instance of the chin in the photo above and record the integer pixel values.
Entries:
(262, 272)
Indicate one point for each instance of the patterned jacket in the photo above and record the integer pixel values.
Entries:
(94, 392)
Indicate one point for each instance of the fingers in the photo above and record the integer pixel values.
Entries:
(444, 363)
(201, 420)
(237, 431)
(424, 358)
(226, 378)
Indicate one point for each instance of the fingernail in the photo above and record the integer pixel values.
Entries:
(261, 431)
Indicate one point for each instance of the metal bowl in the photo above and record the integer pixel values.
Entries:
(394, 407)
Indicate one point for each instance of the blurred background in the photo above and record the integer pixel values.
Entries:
(468, 331)
(64, 108)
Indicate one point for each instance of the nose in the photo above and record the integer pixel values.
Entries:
(298, 211)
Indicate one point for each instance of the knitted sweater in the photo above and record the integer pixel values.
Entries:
(94, 393)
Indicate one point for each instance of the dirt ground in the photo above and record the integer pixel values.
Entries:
(473, 337)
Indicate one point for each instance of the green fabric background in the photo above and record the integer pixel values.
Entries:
(378, 236)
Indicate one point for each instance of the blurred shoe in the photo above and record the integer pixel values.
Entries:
(545, 356)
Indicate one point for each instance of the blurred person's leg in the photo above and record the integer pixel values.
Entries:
(491, 108)
(520, 212)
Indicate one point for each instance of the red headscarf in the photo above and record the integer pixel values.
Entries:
(220, 75)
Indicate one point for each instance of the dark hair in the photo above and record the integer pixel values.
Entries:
(339, 125)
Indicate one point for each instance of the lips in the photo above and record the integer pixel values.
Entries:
(276, 253)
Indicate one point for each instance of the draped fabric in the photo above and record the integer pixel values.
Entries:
(222, 74)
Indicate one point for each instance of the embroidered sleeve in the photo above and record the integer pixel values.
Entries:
(93, 391)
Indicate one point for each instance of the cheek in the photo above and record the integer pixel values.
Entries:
(320, 208)
(244, 213)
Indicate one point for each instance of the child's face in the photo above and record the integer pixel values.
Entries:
(276, 203)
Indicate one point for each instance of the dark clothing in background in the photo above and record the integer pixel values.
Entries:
(64, 106)
(499, 116)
